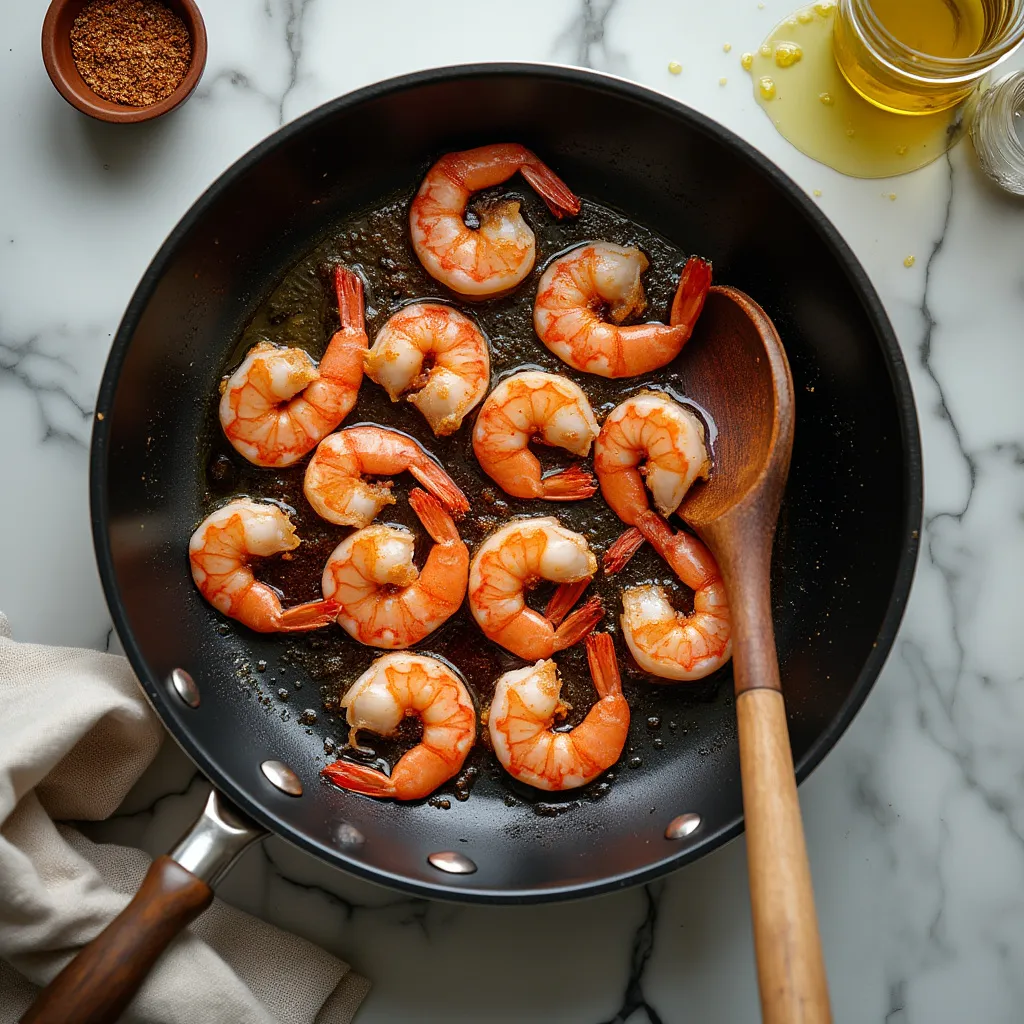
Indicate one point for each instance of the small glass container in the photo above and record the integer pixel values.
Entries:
(998, 132)
(895, 77)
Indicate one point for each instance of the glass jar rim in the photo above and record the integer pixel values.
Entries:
(944, 70)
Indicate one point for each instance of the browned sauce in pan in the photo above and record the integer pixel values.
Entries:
(300, 311)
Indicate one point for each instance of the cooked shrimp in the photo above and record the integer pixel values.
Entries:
(577, 288)
(392, 688)
(513, 559)
(535, 406)
(220, 552)
(279, 404)
(649, 439)
(668, 643)
(498, 254)
(525, 706)
(385, 600)
(334, 483)
(436, 356)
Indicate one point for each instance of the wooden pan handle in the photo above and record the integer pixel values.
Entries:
(100, 982)
(790, 965)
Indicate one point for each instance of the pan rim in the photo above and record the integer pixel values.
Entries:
(895, 365)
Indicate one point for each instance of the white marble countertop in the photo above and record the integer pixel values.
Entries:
(915, 822)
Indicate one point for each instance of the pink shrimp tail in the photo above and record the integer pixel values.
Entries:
(441, 486)
(579, 624)
(572, 484)
(313, 615)
(358, 778)
(622, 550)
(557, 196)
(348, 286)
(563, 599)
(690, 558)
(694, 282)
(435, 520)
(604, 666)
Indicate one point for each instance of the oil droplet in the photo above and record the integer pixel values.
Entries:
(726, 47)
(901, 150)
(654, 722)
(766, 86)
(909, 261)
(787, 54)
(658, 743)
(824, 9)
(636, 762)
(766, 50)
(850, 132)
(760, 6)
(722, 81)
(283, 693)
(891, 197)
(826, 98)
(805, 17)
(817, 191)
(747, 61)
(674, 67)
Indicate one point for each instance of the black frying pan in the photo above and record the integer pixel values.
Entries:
(847, 540)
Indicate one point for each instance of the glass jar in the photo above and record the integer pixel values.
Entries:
(892, 75)
(998, 133)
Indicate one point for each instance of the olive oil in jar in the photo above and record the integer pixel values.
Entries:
(939, 28)
(923, 56)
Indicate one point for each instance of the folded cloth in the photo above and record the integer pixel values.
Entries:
(75, 734)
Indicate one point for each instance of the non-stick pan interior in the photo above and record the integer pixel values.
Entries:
(847, 538)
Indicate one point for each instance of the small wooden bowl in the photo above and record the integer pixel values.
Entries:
(61, 68)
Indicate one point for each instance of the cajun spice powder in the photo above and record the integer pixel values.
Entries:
(133, 52)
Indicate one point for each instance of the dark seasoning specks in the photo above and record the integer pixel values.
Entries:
(304, 683)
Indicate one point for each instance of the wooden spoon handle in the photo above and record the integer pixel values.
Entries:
(790, 965)
(100, 982)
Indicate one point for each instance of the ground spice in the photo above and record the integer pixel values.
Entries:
(133, 52)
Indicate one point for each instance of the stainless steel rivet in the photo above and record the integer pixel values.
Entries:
(185, 687)
(281, 776)
(453, 863)
(348, 835)
(683, 826)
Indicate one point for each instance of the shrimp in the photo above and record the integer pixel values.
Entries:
(578, 287)
(535, 406)
(438, 356)
(668, 643)
(279, 404)
(526, 704)
(648, 438)
(334, 483)
(497, 255)
(385, 600)
(392, 688)
(513, 559)
(220, 551)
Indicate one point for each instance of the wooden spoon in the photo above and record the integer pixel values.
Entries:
(736, 368)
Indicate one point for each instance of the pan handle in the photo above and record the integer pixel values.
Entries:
(100, 981)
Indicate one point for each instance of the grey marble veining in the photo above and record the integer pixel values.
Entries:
(915, 822)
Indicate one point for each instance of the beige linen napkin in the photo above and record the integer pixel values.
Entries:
(75, 734)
